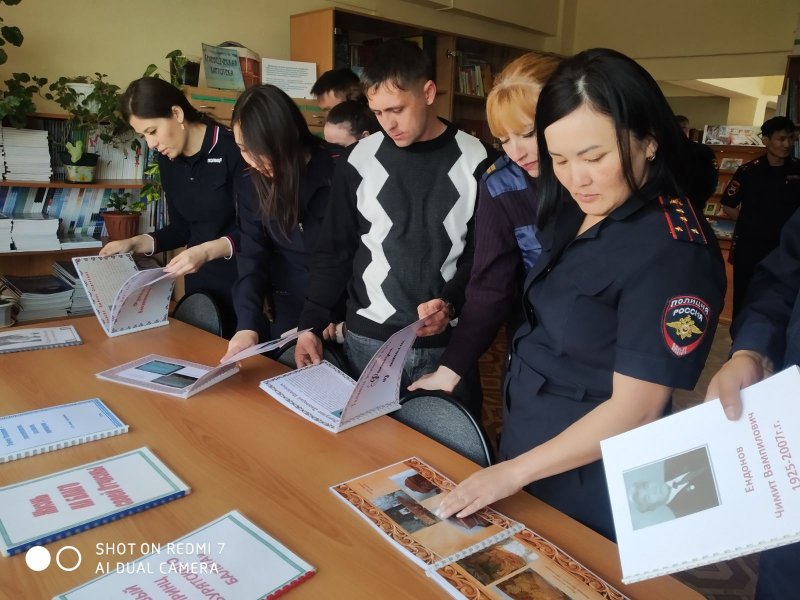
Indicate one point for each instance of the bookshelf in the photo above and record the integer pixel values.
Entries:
(117, 184)
(464, 67)
(729, 158)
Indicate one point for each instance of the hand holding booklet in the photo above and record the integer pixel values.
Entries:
(330, 398)
(485, 556)
(694, 488)
(123, 298)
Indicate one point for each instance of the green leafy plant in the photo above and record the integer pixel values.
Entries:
(152, 190)
(16, 101)
(123, 201)
(75, 150)
(178, 62)
(9, 34)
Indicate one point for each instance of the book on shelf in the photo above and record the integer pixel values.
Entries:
(182, 378)
(72, 241)
(38, 338)
(123, 298)
(233, 557)
(38, 296)
(47, 429)
(331, 399)
(65, 270)
(485, 556)
(677, 484)
(48, 508)
(34, 232)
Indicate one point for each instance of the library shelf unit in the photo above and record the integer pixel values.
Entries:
(335, 38)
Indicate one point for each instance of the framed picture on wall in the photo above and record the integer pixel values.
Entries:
(710, 209)
(730, 164)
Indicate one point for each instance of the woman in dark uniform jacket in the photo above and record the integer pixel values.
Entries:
(623, 302)
(198, 161)
(282, 201)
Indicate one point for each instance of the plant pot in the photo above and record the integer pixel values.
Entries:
(121, 225)
(81, 171)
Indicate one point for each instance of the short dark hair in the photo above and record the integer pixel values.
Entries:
(153, 98)
(775, 124)
(682, 120)
(400, 63)
(272, 126)
(342, 82)
(613, 85)
(356, 114)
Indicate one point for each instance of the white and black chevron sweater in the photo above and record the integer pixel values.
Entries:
(398, 233)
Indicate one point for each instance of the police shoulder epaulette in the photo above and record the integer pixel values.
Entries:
(682, 221)
(749, 165)
(504, 176)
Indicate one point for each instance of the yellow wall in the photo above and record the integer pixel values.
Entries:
(701, 110)
(120, 38)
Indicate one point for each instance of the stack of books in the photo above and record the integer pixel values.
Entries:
(71, 241)
(34, 231)
(26, 156)
(38, 297)
(65, 270)
(5, 233)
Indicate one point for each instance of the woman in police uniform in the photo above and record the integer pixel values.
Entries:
(623, 302)
(198, 161)
(280, 212)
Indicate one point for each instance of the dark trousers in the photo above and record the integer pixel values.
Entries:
(779, 573)
(746, 255)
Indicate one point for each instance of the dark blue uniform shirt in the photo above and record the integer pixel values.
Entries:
(200, 205)
(640, 294)
(272, 265)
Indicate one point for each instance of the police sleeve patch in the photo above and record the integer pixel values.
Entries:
(684, 323)
(733, 188)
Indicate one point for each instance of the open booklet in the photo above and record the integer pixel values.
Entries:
(183, 378)
(678, 484)
(485, 556)
(38, 338)
(330, 398)
(229, 557)
(123, 298)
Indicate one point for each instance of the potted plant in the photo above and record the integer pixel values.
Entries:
(93, 107)
(122, 215)
(79, 166)
(16, 101)
(183, 69)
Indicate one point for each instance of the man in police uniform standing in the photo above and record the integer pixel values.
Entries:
(762, 195)
(766, 339)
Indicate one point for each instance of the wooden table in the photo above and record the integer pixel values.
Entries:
(239, 449)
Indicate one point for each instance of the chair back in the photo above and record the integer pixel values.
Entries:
(331, 351)
(199, 310)
(443, 418)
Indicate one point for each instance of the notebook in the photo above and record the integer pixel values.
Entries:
(693, 488)
(47, 429)
(48, 508)
(231, 557)
(38, 338)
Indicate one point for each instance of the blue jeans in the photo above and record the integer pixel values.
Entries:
(360, 349)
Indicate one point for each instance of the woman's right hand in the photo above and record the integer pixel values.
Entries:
(442, 378)
(240, 341)
(118, 247)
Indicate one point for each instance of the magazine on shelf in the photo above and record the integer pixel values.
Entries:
(38, 338)
(123, 298)
(233, 557)
(47, 429)
(677, 484)
(485, 556)
(48, 508)
(182, 378)
(330, 398)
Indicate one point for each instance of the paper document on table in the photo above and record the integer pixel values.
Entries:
(325, 395)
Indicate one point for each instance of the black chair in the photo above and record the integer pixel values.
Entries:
(200, 310)
(443, 418)
(331, 351)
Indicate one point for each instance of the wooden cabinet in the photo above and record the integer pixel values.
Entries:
(464, 67)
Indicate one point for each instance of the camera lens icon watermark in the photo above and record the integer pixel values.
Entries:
(38, 558)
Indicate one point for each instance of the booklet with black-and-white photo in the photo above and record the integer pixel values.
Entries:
(124, 298)
(694, 488)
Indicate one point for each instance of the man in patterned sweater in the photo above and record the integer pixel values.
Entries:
(398, 233)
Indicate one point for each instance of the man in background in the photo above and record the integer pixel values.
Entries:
(703, 175)
(335, 86)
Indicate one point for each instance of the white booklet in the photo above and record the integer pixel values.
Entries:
(36, 431)
(231, 556)
(182, 378)
(330, 398)
(694, 488)
(48, 508)
(38, 338)
(123, 298)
